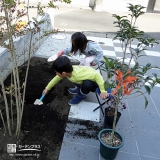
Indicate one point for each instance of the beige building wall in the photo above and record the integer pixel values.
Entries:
(121, 5)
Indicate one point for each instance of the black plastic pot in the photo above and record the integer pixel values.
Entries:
(106, 151)
(108, 119)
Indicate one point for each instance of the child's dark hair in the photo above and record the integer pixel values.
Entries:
(80, 42)
(62, 64)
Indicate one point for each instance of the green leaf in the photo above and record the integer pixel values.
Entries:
(135, 67)
(108, 85)
(146, 101)
(151, 84)
(148, 65)
(158, 80)
(155, 75)
(110, 74)
(147, 89)
(51, 5)
(67, 1)
(151, 45)
(107, 61)
(142, 55)
(10, 3)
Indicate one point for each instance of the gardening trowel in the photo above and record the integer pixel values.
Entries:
(39, 101)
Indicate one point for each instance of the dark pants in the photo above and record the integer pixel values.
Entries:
(88, 86)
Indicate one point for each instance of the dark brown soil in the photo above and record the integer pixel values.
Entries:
(43, 125)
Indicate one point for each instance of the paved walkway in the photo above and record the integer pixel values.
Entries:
(98, 24)
(140, 127)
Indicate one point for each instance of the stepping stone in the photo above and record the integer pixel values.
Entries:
(84, 111)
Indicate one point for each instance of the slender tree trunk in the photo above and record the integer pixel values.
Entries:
(6, 106)
(14, 65)
(3, 121)
(25, 83)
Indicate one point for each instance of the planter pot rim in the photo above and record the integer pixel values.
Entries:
(110, 130)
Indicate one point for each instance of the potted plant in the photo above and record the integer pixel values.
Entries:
(125, 78)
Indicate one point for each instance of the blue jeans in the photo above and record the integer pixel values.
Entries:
(88, 86)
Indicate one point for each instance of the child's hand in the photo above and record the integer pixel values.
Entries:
(45, 91)
(92, 64)
(60, 53)
(104, 95)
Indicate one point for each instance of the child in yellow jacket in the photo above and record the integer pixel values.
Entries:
(86, 79)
